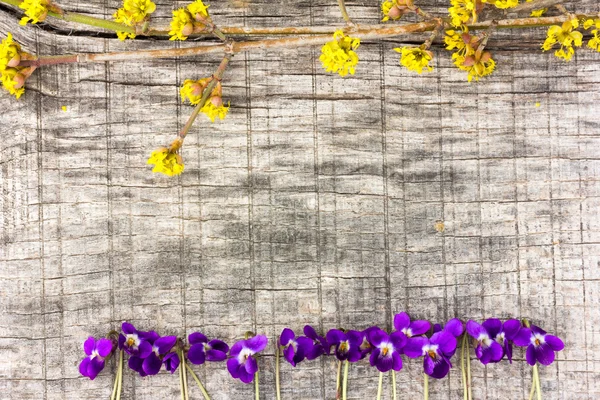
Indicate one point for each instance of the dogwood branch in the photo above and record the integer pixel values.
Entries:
(364, 32)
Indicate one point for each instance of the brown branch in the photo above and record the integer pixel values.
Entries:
(365, 32)
(217, 76)
(344, 12)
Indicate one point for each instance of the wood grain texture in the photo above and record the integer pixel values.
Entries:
(315, 201)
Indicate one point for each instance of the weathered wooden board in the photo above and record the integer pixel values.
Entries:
(315, 201)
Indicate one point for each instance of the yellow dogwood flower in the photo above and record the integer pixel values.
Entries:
(192, 90)
(214, 107)
(166, 160)
(182, 25)
(132, 13)
(594, 42)
(139, 9)
(415, 59)
(13, 81)
(395, 9)
(338, 56)
(10, 53)
(35, 11)
(502, 4)
(566, 36)
(186, 19)
(198, 9)
(477, 65)
(537, 13)
(463, 10)
(454, 40)
(588, 23)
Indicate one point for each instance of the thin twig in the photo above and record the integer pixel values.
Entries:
(216, 78)
(344, 12)
(82, 19)
(534, 5)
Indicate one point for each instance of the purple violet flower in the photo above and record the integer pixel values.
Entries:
(487, 349)
(136, 360)
(203, 350)
(160, 348)
(386, 349)
(455, 326)
(503, 333)
(294, 349)
(319, 343)
(540, 346)
(403, 324)
(347, 345)
(242, 365)
(433, 350)
(96, 352)
(134, 342)
(171, 362)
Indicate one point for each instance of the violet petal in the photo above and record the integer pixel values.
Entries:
(286, 336)
(197, 337)
(554, 342)
(401, 321)
(196, 354)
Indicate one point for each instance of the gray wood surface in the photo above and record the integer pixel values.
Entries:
(318, 200)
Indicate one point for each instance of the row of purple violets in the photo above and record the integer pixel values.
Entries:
(493, 340)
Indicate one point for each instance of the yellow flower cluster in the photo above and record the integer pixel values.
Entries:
(185, 19)
(192, 90)
(477, 65)
(395, 9)
(415, 59)
(35, 11)
(132, 13)
(454, 40)
(537, 13)
(10, 53)
(166, 160)
(198, 9)
(10, 57)
(503, 4)
(463, 10)
(566, 36)
(214, 107)
(13, 82)
(468, 57)
(594, 42)
(182, 25)
(338, 56)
